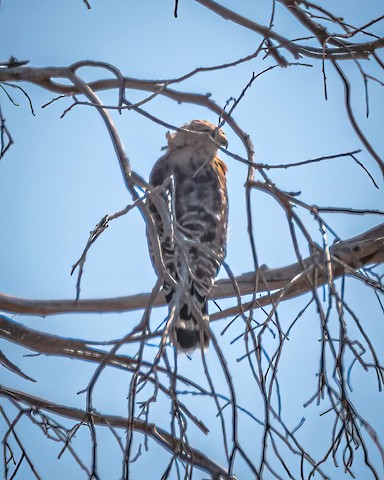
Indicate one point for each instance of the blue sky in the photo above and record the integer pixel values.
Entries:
(61, 176)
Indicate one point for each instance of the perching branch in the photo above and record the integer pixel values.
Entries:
(348, 256)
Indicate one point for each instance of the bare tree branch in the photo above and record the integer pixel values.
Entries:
(170, 443)
(344, 52)
(355, 253)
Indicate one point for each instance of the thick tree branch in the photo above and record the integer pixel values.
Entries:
(347, 257)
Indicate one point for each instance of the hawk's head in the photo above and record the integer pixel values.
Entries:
(198, 133)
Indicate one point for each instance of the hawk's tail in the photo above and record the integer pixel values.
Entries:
(190, 333)
(190, 330)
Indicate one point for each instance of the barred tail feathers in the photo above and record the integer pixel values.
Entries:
(189, 333)
(190, 330)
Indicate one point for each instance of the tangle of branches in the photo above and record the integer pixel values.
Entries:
(143, 353)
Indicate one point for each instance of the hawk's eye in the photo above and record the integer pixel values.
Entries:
(215, 135)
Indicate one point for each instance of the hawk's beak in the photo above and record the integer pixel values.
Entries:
(221, 139)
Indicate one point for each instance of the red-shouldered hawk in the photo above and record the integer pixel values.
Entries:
(194, 187)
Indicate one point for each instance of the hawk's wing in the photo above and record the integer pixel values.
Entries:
(161, 177)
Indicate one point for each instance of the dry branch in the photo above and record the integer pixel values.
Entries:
(342, 51)
(174, 445)
(347, 257)
(43, 77)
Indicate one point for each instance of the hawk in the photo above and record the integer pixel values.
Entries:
(191, 179)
